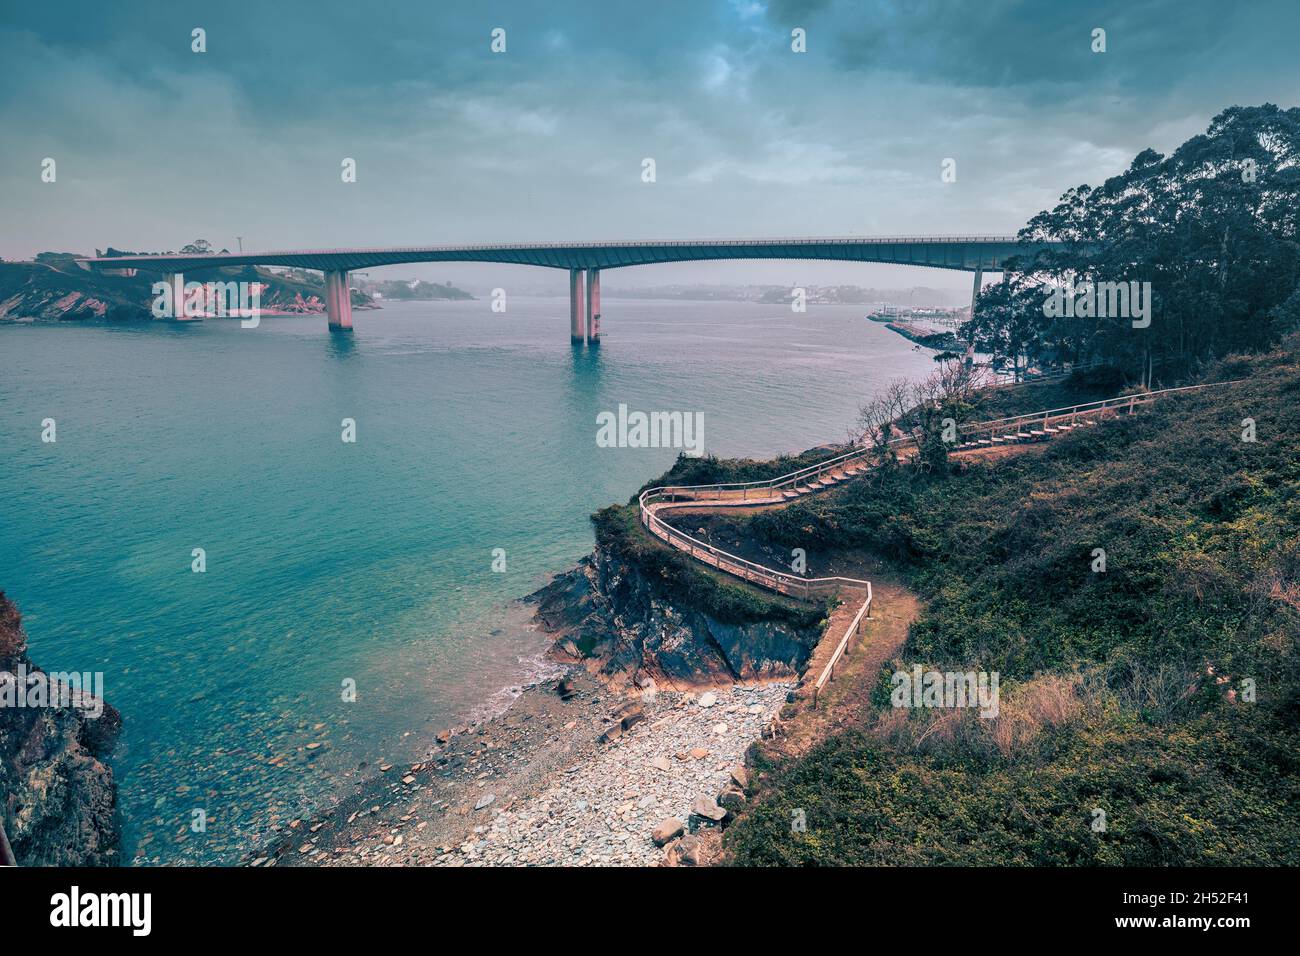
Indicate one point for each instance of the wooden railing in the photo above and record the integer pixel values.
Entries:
(782, 582)
(1120, 404)
(771, 491)
(842, 648)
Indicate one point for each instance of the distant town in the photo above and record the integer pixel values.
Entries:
(918, 297)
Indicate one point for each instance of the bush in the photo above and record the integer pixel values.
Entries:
(1199, 601)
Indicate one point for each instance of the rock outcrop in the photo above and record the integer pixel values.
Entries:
(615, 620)
(57, 796)
(55, 288)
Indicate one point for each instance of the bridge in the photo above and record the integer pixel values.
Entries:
(586, 260)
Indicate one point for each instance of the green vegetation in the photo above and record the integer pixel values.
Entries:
(1088, 385)
(419, 289)
(1126, 691)
(620, 534)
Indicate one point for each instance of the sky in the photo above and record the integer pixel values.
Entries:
(156, 145)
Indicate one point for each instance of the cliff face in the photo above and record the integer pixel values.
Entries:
(58, 289)
(55, 287)
(610, 616)
(57, 797)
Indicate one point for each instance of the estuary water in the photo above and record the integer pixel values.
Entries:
(332, 565)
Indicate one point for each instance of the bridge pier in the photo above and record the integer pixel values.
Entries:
(974, 294)
(593, 306)
(577, 318)
(338, 301)
(176, 282)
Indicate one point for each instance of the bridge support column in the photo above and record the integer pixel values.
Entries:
(176, 282)
(974, 294)
(577, 318)
(338, 301)
(593, 306)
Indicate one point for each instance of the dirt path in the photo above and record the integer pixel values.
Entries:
(846, 700)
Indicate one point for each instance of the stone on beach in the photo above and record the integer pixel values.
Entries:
(611, 734)
(667, 831)
(707, 807)
(633, 802)
(687, 851)
(731, 799)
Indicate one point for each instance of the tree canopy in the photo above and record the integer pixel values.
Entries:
(1212, 227)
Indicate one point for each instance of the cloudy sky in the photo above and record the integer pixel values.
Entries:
(156, 145)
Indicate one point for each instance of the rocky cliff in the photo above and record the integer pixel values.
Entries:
(614, 619)
(55, 287)
(57, 796)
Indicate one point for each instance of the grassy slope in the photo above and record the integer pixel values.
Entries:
(1106, 699)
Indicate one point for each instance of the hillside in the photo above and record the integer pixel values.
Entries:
(55, 287)
(414, 290)
(1149, 712)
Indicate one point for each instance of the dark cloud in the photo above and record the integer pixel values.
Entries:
(157, 144)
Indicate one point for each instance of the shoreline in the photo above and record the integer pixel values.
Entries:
(541, 783)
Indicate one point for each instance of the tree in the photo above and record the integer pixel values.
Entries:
(1213, 227)
(925, 413)
(878, 418)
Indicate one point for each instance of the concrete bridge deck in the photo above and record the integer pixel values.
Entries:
(585, 260)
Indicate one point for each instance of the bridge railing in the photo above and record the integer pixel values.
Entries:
(618, 243)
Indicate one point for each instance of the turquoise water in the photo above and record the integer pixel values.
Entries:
(370, 562)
